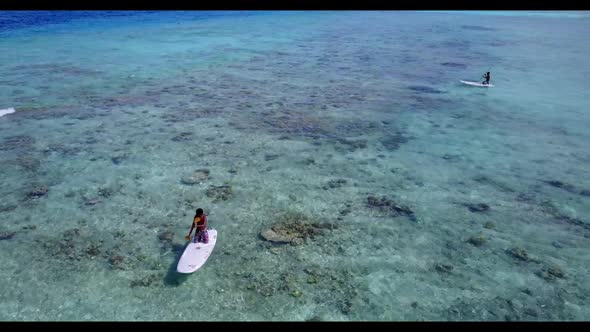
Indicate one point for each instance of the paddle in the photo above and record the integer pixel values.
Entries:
(196, 220)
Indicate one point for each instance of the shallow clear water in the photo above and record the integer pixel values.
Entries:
(443, 201)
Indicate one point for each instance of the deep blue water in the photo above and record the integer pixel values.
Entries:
(11, 20)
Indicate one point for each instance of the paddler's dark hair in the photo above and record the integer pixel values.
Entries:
(199, 212)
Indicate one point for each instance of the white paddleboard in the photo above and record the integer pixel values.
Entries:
(196, 254)
(7, 111)
(477, 84)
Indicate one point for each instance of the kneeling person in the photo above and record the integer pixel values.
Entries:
(200, 223)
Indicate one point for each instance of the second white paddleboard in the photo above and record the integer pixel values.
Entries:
(477, 84)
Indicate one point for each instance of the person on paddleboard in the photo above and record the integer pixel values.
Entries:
(487, 77)
(200, 223)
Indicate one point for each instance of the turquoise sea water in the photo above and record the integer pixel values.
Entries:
(443, 201)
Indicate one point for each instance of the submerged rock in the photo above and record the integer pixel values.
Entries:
(525, 198)
(530, 311)
(106, 192)
(550, 208)
(477, 207)
(332, 184)
(393, 143)
(93, 250)
(269, 157)
(445, 268)
(38, 192)
(477, 241)
(556, 271)
(497, 308)
(7, 235)
(551, 273)
(187, 136)
(195, 177)
(7, 208)
(313, 279)
(309, 161)
(118, 159)
(92, 201)
(117, 261)
(71, 233)
(519, 253)
(557, 244)
(22, 142)
(83, 244)
(574, 221)
(314, 319)
(69, 246)
(451, 157)
(146, 281)
(387, 205)
(352, 144)
(65, 150)
(297, 241)
(345, 211)
(166, 236)
(272, 236)
(220, 193)
(296, 293)
(560, 185)
(261, 284)
(293, 228)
